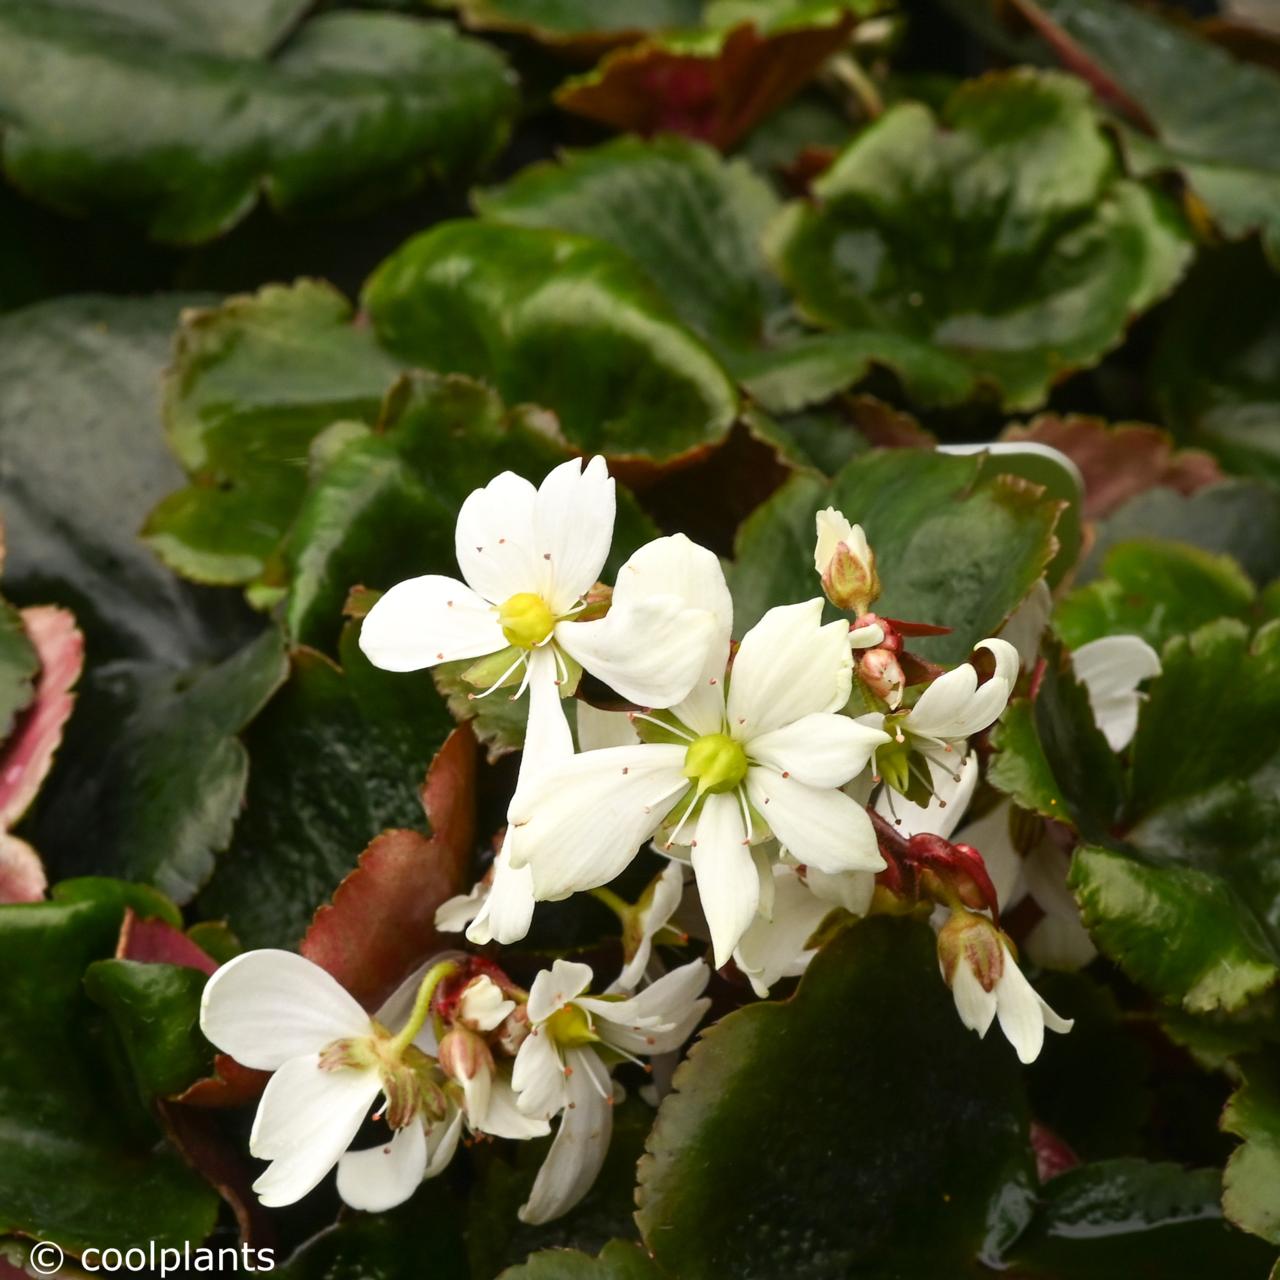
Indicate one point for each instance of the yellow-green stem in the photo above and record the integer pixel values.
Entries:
(615, 904)
(421, 1005)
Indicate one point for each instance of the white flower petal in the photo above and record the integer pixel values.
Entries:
(442, 1142)
(555, 987)
(483, 1006)
(824, 829)
(454, 914)
(1026, 624)
(547, 738)
(379, 1178)
(774, 949)
(976, 1006)
(424, 621)
(573, 530)
(833, 529)
(538, 1076)
(265, 1007)
(1056, 942)
(599, 729)
(1111, 669)
(664, 898)
(955, 706)
(821, 750)
(946, 806)
(1023, 1015)
(852, 890)
(788, 666)
(579, 1147)
(651, 652)
(643, 1023)
(504, 1119)
(581, 824)
(494, 539)
(728, 885)
(508, 908)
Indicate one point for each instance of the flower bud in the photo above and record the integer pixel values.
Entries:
(974, 942)
(845, 562)
(513, 1032)
(465, 1057)
(881, 672)
(482, 1006)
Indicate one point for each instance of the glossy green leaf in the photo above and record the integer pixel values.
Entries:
(79, 1156)
(782, 1152)
(156, 1010)
(1238, 518)
(157, 771)
(1251, 1181)
(337, 756)
(956, 543)
(1217, 362)
(1121, 1219)
(560, 321)
(1154, 589)
(72, 499)
(561, 21)
(995, 245)
(103, 113)
(1019, 768)
(618, 1260)
(19, 666)
(1213, 115)
(253, 381)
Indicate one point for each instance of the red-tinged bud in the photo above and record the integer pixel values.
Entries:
(513, 1032)
(845, 562)
(463, 1055)
(596, 603)
(952, 873)
(973, 941)
(881, 672)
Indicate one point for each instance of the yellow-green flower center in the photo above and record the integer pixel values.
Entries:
(526, 620)
(715, 762)
(570, 1028)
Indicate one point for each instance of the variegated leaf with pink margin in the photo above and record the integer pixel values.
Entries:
(26, 756)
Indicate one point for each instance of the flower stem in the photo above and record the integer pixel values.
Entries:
(615, 904)
(421, 1005)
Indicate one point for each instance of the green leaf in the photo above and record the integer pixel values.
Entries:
(557, 320)
(1239, 518)
(1156, 590)
(1179, 931)
(1019, 769)
(1213, 115)
(103, 114)
(253, 381)
(79, 1156)
(246, 28)
(560, 21)
(956, 542)
(384, 505)
(73, 499)
(337, 756)
(782, 1150)
(19, 664)
(1120, 1219)
(1217, 361)
(1251, 1180)
(618, 1260)
(156, 1010)
(157, 771)
(995, 245)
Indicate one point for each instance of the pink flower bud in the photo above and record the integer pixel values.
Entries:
(974, 942)
(881, 672)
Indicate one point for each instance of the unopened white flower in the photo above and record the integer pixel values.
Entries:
(766, 758)
(937, 729)
(563, 1067)
(987, 984)
(529, 557)
(845, 563)
(1111, 669)
(275, 1011)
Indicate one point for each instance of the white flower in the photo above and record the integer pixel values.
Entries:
(644, 922)
(767, 758)
(529, 556)
(946, 806)
(275, 1011)
(845, 563)
(1111, 669)
(559, 1068)
(986, 984)
(953, 708)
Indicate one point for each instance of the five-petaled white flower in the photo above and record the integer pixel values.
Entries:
(563, 1066)
(986, 984)
(529, 557)
(275, 1011)
(730, 768)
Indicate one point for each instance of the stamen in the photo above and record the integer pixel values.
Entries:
(500, 680)
(684, 817)
(662, 724)
(746, 813)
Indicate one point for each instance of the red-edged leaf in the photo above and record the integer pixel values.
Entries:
(158, 942)
(381, 921)
(716, 87)
(1119, 461)
(28, 752)
(230, 1085)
